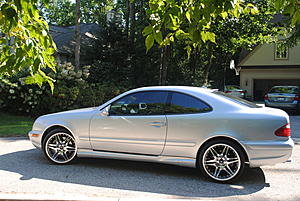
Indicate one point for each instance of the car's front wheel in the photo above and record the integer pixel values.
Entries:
(59, 146)
(221, 160)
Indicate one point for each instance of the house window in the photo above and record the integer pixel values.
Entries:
(281, 51)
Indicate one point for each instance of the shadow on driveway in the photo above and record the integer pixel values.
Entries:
(128, 175)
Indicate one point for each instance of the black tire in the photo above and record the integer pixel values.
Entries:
(59, 146)
(220, 164)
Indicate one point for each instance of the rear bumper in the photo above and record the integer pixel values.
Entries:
(268, 152)
(292, 105)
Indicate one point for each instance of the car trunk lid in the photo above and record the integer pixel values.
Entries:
(281, 97)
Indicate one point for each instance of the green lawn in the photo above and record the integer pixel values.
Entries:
(13, 125)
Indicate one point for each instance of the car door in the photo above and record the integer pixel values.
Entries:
(136, 123)
(189, 120)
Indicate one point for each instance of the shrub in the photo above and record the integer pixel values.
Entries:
(71, 91)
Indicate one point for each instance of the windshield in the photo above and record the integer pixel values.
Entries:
(237, 100)
(286, 90)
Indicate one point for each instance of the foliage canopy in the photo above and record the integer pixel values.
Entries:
(25, 42)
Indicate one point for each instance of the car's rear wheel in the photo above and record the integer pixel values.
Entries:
(221, 160)
(60, 147)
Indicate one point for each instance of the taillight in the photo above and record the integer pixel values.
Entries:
(284, 131)
(296, 98)
(242, 92)
(227, 91)
(266, 97)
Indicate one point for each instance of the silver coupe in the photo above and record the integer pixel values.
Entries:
(187, 126)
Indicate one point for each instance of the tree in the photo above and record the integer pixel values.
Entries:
(59, 12)
(189, 21)
(235, 34)
(291, 9)
(25, 42)
(195, 22)
(77, 35)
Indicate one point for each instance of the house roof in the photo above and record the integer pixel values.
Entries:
(245, 54)
(64, 37)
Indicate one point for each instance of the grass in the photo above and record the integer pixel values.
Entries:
(13, 125)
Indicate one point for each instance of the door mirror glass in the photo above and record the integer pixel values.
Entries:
(142, 106)
(105, 111)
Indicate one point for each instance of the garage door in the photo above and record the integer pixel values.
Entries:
(262, 86)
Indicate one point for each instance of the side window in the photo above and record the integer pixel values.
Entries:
(141, 103)
(185, 104)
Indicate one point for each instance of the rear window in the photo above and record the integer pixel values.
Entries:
(185, 104)
(230, 87)
(237, 100)
(286, 90)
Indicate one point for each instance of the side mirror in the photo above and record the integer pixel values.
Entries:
(105, 111)
(142, 106)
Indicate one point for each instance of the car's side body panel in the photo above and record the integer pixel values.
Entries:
(129, 134)
(173, 160)
(77, 122)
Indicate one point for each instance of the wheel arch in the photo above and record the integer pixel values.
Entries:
(53, 127)
(233, 140)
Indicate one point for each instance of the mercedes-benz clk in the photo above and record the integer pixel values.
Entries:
(186, 126)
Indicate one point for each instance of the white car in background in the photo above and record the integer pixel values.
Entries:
(235, 90)
(187, 126)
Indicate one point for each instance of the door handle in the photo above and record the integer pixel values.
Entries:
(158, 124)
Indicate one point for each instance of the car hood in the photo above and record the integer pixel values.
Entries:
(71, 112)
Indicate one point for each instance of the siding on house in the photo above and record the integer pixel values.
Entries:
(260, 70)
(264, 55)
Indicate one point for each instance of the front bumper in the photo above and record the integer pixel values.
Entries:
(268, 153)
(36, 138)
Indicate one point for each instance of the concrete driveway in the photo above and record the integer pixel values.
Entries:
(25, 173)
(295, 127)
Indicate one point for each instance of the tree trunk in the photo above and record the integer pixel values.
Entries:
(209, 65)
(77, 36)
(132, 25)
(127, 19)
(164, 62)
(194, 63)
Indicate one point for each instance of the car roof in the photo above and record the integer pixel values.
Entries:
(285, 86)
(175, 88)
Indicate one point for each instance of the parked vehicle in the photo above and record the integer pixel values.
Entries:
(235, 90)
(284, 97)
(187, 126)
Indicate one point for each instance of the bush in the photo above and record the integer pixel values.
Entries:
(71, 91)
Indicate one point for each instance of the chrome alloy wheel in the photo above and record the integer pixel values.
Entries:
(61, 148)
(221, 162)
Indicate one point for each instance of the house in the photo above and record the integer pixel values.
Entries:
(64, 38)
(266, 66)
